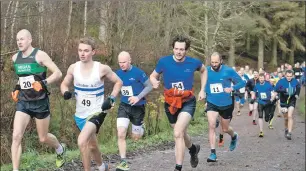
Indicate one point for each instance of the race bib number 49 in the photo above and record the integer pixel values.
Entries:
(178, 85)
(26, 82)
(87, 100)
(127, 91)
(216, 88)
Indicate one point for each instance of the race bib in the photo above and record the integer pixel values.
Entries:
(301, 73)
(242, 90)
(263, 95)
(26, 82)
(297, 74)
(216, 88)
(127, 91)
(87, 100)
(178, 85)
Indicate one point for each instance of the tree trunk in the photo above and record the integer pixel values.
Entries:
(67, 35)
(260, 52)
(274, 53)
(103, 22)
(292, 49)
(248, 40)
(168, 26)
(85, 19)
(284, 56)
(206, 57)
(13, 24)
(231, 60)
(41, 24)
(5, 22)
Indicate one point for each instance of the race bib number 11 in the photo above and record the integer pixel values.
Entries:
(216, 88)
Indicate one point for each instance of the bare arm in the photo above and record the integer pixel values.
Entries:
(109, 74)
(203, 78)
(44, 60)
(154, 79)
(68, 79)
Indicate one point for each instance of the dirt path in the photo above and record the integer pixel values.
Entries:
(271, 153)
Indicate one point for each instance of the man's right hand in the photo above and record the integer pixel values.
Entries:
(15, 93)
(67, 95)
(155, 83)
(108, 103)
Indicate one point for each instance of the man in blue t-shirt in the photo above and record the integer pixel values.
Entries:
(289, 90)
(180, 102)
(263, 92)
(220, 100)
(136, 86)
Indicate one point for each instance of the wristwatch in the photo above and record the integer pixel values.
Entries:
(45, 82)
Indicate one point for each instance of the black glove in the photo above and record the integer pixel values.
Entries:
(67, 95)
(108, 103)
(17, 87)
(252, 101)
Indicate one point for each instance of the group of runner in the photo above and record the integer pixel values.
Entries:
(220, 85)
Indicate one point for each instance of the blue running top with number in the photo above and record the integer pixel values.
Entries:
(287, 88)
(178, 74)
(133, 84)
(263, 92)
(217, 81)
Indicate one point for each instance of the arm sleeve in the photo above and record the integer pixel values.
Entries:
(146, 90)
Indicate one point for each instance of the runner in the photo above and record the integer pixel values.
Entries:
(252, 103)
(263, 92)
(88, 79)
(220, 100)
(180, 103)
(31, 95)
(240, 94)
(136, 86)
(298, 72)
(289, 90)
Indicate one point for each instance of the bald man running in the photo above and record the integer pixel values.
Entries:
(136, 86)
(31, 95)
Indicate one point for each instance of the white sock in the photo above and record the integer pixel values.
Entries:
(59, 149)
(15, 170)
(102, 167)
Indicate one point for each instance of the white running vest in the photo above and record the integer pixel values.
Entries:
(89, 92)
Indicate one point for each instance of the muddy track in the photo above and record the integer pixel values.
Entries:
(271, 153)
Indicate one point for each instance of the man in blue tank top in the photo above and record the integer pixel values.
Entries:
(180, 102)
(88, 77)
(136, 86)
(220, 100)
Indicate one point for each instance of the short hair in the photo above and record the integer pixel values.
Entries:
(261, 75)
(289, 71)
(217, 54)
(255, 71)
(89, 41)
(180, 38)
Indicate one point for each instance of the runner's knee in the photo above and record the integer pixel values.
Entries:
(17, 137)
(137, 130)
(178, 134)
(121, 133)
(43, 138)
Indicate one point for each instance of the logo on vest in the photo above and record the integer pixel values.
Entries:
(24, 68)
(187, 70)
(132, 79)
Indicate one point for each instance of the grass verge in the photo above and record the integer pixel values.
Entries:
(31, 160)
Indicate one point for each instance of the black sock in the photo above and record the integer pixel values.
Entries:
(221, 136)
(251, 111)
(234, 137)
(213, 151)
(192, 149)
(178, 167)
(253, 120)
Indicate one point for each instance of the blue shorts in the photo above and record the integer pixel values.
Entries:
(189, 107)
(96, 119)
(240, 98)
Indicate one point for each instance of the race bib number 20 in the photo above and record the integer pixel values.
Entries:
(26, 82)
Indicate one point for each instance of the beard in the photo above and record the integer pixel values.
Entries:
(216, 68)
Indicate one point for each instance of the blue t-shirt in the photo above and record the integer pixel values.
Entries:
(217, 81)
(286, 87)
(246, 77)
(263, 92)
(133, 84)
(178, 74)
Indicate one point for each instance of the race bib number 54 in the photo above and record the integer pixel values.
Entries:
(178, 85)
(26, 82)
